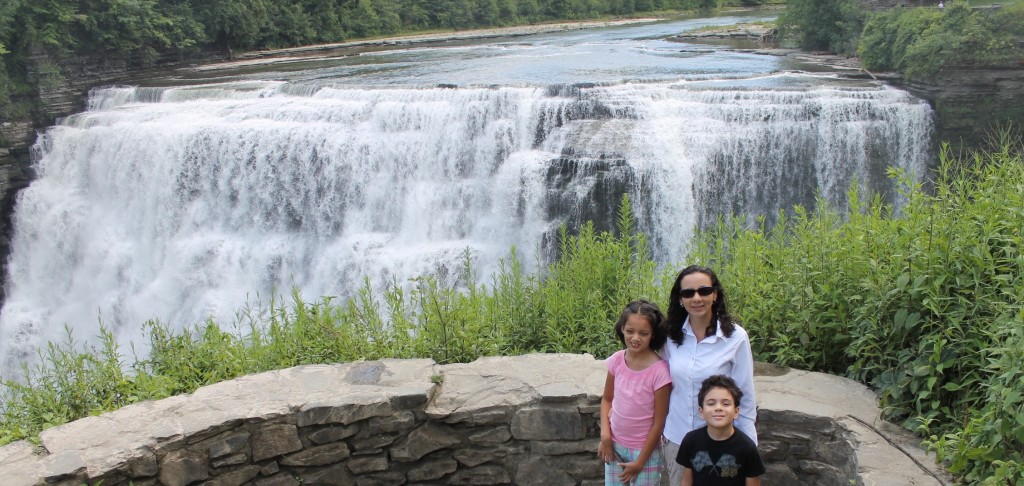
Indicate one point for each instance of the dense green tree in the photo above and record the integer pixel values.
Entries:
(529, 10)
(360, 19)
(965, 37)
(5, 85)
(818, 25)
(458, 14)
(591, 8)
(291, 26)
(48, 23)
(415, 14)
(620, 7)
(559, 9)
(7, 10)
(324, 19)
(234, 23)
(129, 25)
(486, 12)
(507, 12)
(387, 12)
(888, 34)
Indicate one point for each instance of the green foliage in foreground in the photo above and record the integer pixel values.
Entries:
(924, 305)
(569, 307)
(920, 42)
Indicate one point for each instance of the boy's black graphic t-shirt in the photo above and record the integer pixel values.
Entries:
(720, 463)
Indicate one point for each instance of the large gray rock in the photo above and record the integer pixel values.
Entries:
(885, 454)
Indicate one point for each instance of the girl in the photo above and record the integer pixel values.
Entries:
(635, 400)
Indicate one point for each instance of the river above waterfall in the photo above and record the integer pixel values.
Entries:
(628, 52)
(190, 196)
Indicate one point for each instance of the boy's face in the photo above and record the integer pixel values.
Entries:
(719, 409)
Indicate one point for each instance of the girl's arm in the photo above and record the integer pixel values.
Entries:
(606, 451)
(630, 470)
(754, 481)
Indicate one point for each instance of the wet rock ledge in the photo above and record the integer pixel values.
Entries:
(527, 420)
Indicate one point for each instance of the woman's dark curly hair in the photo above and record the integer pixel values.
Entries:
(677, 313)
(649, 311)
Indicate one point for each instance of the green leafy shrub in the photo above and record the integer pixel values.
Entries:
(923, 42)
(888, 34)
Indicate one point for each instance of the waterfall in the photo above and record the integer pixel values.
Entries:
(182, 204)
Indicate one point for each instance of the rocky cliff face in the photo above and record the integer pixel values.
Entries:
(971, 104)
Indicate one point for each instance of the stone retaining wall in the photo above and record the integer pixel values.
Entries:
(506, 420)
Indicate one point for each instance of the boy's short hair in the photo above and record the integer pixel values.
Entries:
(719, 381)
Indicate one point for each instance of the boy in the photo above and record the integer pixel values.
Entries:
(719, 454)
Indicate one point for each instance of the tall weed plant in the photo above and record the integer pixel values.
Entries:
(923, 305)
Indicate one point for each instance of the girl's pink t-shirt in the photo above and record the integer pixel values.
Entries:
(633, 404)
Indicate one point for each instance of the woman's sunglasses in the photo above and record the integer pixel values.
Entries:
(704, 291)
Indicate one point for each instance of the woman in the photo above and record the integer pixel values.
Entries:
(703, 341)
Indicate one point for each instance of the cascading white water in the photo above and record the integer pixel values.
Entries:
(180, 204)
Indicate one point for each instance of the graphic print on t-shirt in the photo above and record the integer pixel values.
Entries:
(727, 466)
